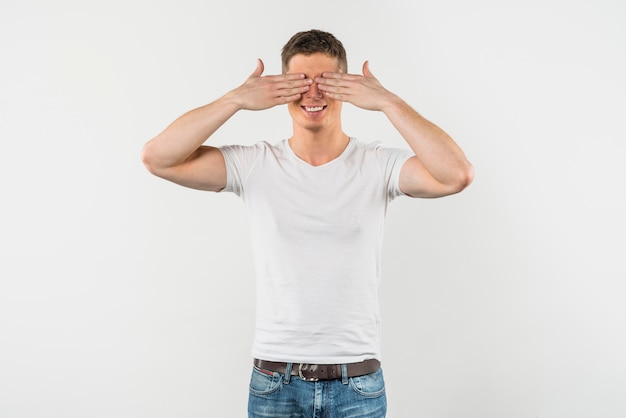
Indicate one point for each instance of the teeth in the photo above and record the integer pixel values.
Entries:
(313, 109)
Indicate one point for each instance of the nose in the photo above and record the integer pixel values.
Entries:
(314, 92)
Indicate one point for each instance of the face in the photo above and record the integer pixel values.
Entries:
(314, 111)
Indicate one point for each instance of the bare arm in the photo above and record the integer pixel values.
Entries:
(439, 167)
(178, 154)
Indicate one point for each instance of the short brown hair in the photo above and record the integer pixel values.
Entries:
(311, 42)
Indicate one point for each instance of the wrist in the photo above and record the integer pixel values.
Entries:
(392, 104)
(232, 101)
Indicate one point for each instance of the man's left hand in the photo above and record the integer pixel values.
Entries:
(363, 91)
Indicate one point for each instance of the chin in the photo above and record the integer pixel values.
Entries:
(315, 128)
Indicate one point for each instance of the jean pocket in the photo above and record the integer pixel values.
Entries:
(264, 382)
(369, 385)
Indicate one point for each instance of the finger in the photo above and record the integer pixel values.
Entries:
(259, 69)
(289, 77)
(335, 76)
(338, 80)
(366, 70)
(335, 86)
(292, 91)
(287, 99)
(326, 83)
(337, 96)
(289, 87)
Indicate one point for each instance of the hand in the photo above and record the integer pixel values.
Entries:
(263, 92)
(363, 91)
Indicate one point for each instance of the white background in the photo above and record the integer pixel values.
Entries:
(123, 295)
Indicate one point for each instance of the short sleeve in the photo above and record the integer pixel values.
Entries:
(240, 160)
(392, 160)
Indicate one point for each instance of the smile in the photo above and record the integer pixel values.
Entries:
(313, 109)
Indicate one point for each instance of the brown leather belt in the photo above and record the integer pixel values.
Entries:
(315, 372)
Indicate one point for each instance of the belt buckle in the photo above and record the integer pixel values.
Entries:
(310, 379)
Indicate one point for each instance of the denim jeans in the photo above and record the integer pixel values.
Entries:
(279, 395)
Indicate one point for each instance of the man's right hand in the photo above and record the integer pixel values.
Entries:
(177, 154)
(260, 92)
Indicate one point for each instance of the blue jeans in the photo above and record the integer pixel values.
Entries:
(279, 395)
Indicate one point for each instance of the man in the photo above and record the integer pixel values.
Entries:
(317, 203)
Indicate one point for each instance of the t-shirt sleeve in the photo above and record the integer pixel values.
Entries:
(392, 160)
(239, 161)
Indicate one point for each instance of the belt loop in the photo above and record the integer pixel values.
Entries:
(344, 374)
(287, 376)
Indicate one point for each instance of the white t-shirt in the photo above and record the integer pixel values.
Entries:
(316, 237)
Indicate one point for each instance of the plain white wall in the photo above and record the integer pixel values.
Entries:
(122, 295)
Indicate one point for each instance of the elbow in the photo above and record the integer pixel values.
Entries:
(465, 177)
(148, 158)
(458, 181)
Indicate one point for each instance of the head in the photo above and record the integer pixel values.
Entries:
(312, 53)
(311, 42)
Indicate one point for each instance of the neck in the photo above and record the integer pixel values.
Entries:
(318, 147)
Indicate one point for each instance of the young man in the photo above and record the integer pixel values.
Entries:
(317, 203)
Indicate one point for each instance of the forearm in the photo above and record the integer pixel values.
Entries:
(436, 150)
(187, 133)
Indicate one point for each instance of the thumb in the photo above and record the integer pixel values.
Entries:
(259, 68)
(366, 70)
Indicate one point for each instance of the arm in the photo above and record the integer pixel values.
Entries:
(177, 153)
(439, 167)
